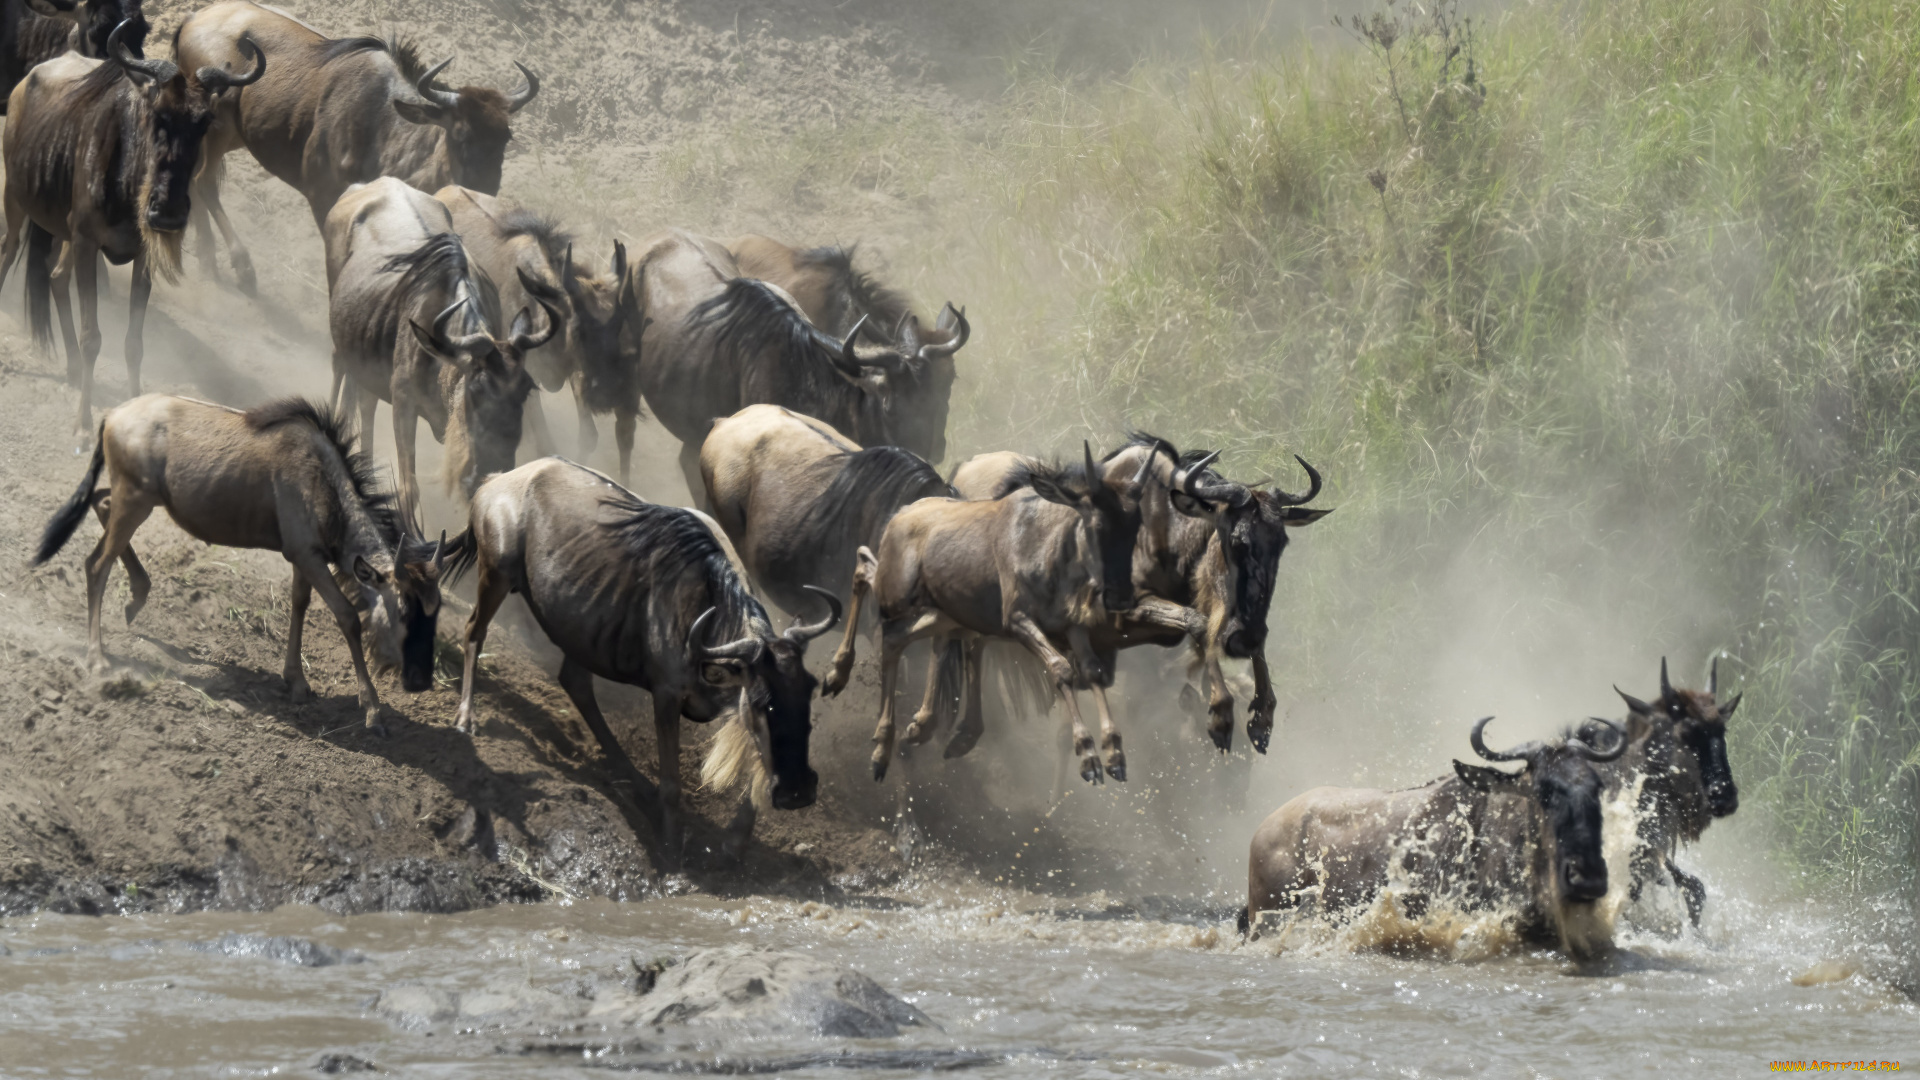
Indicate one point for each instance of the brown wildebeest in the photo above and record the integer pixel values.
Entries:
(1528, 843)
(35, 31)
(1204, 567)
(518, 251)
(715, 342)
(284, 477)
(644, 595)
(99, 155)
(798, 498)
(335, 112)
(1677, 753)
(394, 265)
(1042, 566)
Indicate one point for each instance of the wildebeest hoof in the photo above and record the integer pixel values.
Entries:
(374, 724)
(244, 279)
(98, 665)
(1222, 738)
(1090, 770)
(919, 731)
(1117, 766)
(879, 766)
(299, 693)
(836, 680)
(1259, 737)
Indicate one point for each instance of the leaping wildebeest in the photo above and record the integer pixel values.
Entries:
(334, 112)
(1526, 845)
(645, 595)
(283, 477)
(99, 155)
(398, 276)
(35, 31)
(1044, 566)
(1204, 566)
(520, 251)
(715, 341)
(1677, 751)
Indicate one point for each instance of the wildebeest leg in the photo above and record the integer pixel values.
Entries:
(864, 567)
(589, 434)
(313, 566)
(895, 634)
(489, 594)
(1219, 704)
(1163, 615)
(138, 583)
(1097, 674)
(406, 425)
(1695, 891)
(535, 419)
(972, 724)
(1260, 709)
(124, 517)
(368, 402)
(137, 298)
(86, 269)
(690, 469)
(16, 217)
(1061, 671)
(921, 729)
(666, 738)
(577, 681)
(294, 671)
(624, 422)
(61, 281)
(206, 193)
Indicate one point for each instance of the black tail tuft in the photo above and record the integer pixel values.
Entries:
(461, 553)
(40, 284)
(60, 528)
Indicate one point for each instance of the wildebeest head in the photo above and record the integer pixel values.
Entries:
(917, 371)
(1686, 740)
(179, 111)
(1560, 781)
(1252, 527)
(598, 308)
(494, 385)
(775, 693)
(1109, 512)
(477, 120)
(395, 590)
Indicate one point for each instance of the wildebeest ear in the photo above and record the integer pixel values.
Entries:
(1295, 516)
(1481, 778)
(1190, 506)
(425, 337)
(722, 672)
(1052, 490)
(419, 112)
(1638, 725)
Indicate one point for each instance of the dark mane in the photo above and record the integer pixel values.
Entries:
(772, 344)
(1071, 476)
(361, 472)
(886, 306)
(405, 53)
(548, 233)
(663, 541)
(863, 496)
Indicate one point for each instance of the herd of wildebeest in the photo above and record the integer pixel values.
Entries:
(811, 403)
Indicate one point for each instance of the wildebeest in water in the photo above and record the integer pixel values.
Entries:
(644, 595)
(99, 155)
(1525, 843)
(284, 477)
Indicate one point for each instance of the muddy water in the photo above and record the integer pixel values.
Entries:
(1022, 985)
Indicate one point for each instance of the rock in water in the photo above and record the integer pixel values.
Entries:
(774, 991)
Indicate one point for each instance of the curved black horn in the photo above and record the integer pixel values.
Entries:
(840, 350)
(960, 332)
(1733, 703)
(423, 86)
(1524, 752)
(542, 294)
(801, 633)
(1602, 756)
(1093, 471)
(519, 98)
(157, 71)
(1190, 480)
(215, 79)
(440, 554)
(461, 343)
(1667, 696)
(743, 649)
(1634, 704)
(1313, 486)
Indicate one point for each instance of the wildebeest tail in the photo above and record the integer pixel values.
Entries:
(40, 284)
(66, 519)
(951, 676)
(461, 553)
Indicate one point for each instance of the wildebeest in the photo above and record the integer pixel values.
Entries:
(398, 276)
(715, 342)
(99, 155)
(335, 112)
(284, 477)
(35, 31)
(521, 251)
(1043, 566)
(1527, 844)
(1677, 751)
(644, 595)
(1204, 565)
(798, 498)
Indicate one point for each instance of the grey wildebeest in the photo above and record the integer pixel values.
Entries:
(644, 595)
(1526, 845)
(284, 477)
(335, 112)
(1043, 566)
(1677, 753)
(398, 275)
(35, 31)
(715, 341)
(99, 155)
(521, 251)
(1204, 566)
(798, 498)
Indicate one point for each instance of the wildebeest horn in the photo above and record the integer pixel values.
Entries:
(455, 345)
(841, 352)
(801, 633)
(743, 649)
(157, 71)
(1093, 472)
(1189, 480)
(440, 554)
(1634, 704)
(960, 331)
(519, 98)
(1591, 754)
(1726, 714)
(1313, 486)
(540, 291)
(446, 99)
(1524, 752)
(216, 79)
(1667, 696)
